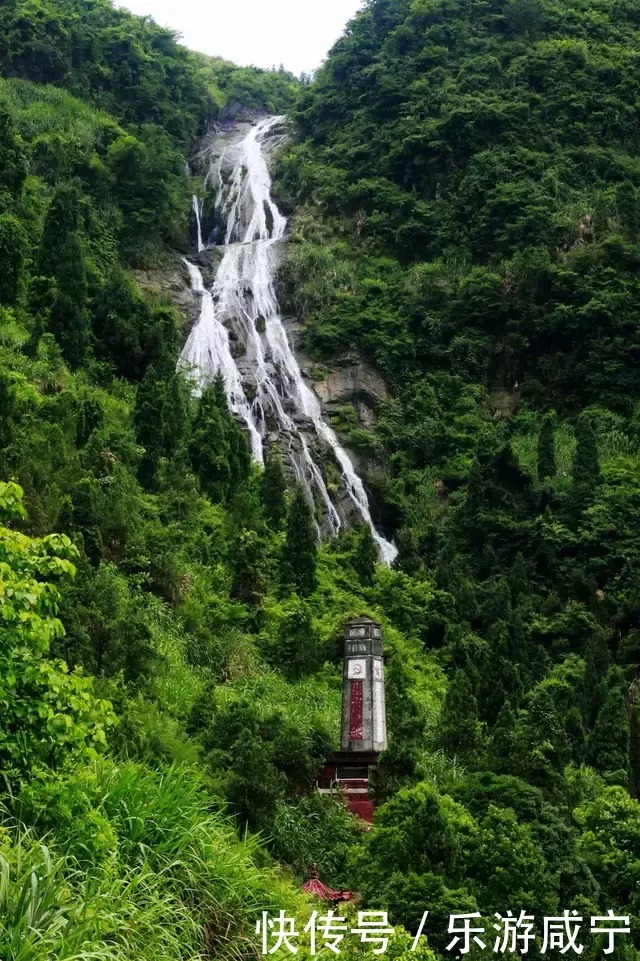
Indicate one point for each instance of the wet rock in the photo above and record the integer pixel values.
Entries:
(354, 380)
(349, 380)
(208, 262)
(238, 349)
(170, 280)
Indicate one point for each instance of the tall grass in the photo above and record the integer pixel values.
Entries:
(313, 703)
(174, 880)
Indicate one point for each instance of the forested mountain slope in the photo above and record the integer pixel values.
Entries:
(464, 182)
(467, 187)
(117, 762)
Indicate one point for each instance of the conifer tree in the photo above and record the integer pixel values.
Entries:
(247, 560)
(118, 319)
(62, 219)
(366, 556)
(160, 419)
(576, 735)
(518, 578)
(503, 739)
(273, 489)
(546, 448)
(209, 447)
(459, 724)
(69, 320)
(543, 748)
(597, 661)
(499, 675)
(13, 163)
(586, 463)
(62, 257)
(628, 205)
(247, 553)
(406, 723)
(609, 745)
(13, 246)
(634, 749)
(408, 560)
(85, 517)
(298, 564)
(218, 448)
(298, 651)
(239, 453)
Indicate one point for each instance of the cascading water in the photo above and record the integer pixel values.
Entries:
(198, 215)
(208, 350)
(243, 299)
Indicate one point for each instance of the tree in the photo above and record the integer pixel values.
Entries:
(460, 731)
(366, 556)
(68, 319)
(503, 739)
(49, 715)
(84, 516)
(160, 418)
(297, 650)
(13, 244)
(418, 830)
(209, 447)
(405, 724)
(298, 562)
(273, 489)
(63, 219)
(13, 163)
(315, 830)
(218, 447)
(525, 17)
(543, 747)
(507, 863)
(118, 320)
(597, 662)
(628, 204)
(586, 463)
(263, 756)
(247, 560)
(546, 448)
(610, 841)
(609, 744)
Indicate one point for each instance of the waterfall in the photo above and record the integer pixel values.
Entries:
(243, 299)
(197, 211)
(209, 354)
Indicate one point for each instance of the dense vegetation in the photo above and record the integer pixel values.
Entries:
(466, 186)
(133, 638)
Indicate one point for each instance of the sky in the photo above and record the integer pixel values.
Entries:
(265, 33)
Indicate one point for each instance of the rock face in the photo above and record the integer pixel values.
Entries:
(171, 280)
(352, 381)
(348, 380)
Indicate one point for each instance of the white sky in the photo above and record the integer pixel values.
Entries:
(265, 33)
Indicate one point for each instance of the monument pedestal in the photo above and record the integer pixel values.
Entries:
(348, 774)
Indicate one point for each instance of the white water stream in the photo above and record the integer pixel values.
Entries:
(198, 214)
(243, 300)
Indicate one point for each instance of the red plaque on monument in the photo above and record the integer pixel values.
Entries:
(355, 732)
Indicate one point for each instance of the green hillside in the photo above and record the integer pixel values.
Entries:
(467, 191)
(464, 181)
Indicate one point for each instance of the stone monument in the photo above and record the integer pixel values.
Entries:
(364, 725)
